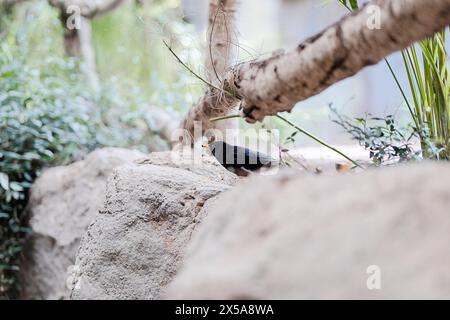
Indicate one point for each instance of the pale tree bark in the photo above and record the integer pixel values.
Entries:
(266, 87)
(78, 39)
(222, 38)
(78, 43)
(221, 54)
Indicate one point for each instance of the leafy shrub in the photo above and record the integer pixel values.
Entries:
(48, 116)
(385, 141)
(428, 75)
(45, 118)
(429, 83)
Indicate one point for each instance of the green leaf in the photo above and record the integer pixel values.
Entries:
(16, 186)
(354, 4)
(4, 181)
(7, 74)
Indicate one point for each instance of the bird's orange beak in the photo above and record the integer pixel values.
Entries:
(205, 145)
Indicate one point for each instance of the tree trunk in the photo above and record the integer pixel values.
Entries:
(222, 48)
(88, 53)
(222, 39)
(78, 38)
(276, 84)
(78, 44)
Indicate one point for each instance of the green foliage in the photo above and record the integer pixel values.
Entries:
(45, 118)
(429, 81)
(49, 116)
(385, 141)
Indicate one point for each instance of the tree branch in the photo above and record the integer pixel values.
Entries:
(266, 87)
(89, 9)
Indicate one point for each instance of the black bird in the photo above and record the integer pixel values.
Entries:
(238, 157)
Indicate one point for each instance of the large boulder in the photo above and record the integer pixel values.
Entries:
(379, 234)
(64, 201)
(136, 244)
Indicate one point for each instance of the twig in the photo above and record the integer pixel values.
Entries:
(310, 135)
(225, 117)
(210, 46)
(196, 74)
(188, 68)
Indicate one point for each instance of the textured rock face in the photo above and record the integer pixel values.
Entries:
(64, 201)
(295, 237)
(136, 244)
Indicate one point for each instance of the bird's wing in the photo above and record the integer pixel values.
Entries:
(253, 157)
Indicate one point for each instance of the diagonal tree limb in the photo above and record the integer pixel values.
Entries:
(266, 87)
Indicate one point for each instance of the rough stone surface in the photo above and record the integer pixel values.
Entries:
(64, 201)
(300, 236)
(135, 246)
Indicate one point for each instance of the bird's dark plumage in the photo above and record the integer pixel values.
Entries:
(238, 157)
